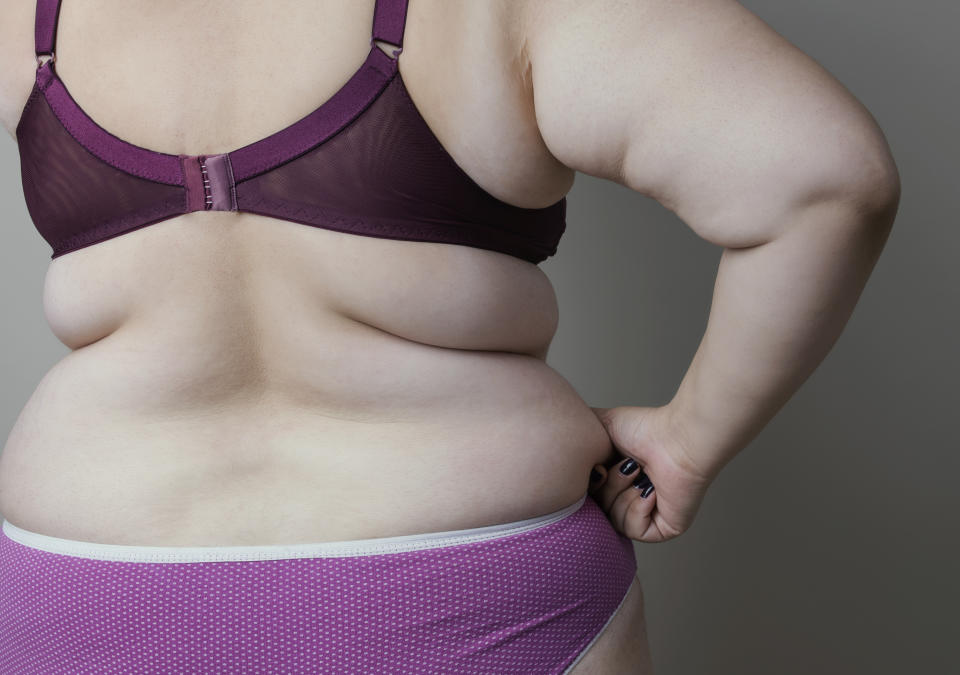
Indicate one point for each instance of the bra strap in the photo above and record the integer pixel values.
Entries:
(45, 26)
(389, 19)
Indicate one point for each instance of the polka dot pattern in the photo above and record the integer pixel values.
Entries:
(526, 602)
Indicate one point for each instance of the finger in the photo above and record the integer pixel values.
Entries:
(598, 476)
(618, 478)
(631, 512)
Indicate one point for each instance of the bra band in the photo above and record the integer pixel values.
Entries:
(389, 17)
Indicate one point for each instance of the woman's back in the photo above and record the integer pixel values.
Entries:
(240, 379)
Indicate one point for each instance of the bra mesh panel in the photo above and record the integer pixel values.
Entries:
(387, 175)
(76, 199)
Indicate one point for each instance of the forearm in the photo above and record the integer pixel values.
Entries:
(777, 310)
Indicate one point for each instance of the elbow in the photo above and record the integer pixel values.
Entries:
(861, 192)
(872, 186)
(857, 183)
(887, 195)
(881, 188)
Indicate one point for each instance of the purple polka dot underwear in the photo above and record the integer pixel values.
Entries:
(530, 596)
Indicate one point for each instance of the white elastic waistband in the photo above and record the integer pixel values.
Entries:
(326, 549)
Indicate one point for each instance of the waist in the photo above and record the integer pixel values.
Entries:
(400, 438)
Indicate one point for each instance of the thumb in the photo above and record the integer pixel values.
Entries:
(598, 477)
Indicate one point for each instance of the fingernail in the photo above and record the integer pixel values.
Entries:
(595, 475)
(628, 467)
(641, 481)
(646, 492)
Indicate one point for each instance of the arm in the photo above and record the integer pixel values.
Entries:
(705, 108)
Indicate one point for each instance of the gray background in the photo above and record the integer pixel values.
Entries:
(830, 544)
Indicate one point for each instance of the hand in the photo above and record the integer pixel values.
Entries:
(648, 436)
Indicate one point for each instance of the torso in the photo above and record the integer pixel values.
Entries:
(239, 380)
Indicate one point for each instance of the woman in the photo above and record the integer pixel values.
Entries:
(306, 421)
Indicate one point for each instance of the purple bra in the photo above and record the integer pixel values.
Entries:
(364, 162)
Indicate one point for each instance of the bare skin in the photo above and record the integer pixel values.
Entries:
(759, 150)
(237, 380)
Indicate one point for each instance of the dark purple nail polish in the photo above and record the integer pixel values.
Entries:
(628, 467)
(646, 492)
(641, 481)
(595, 475)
